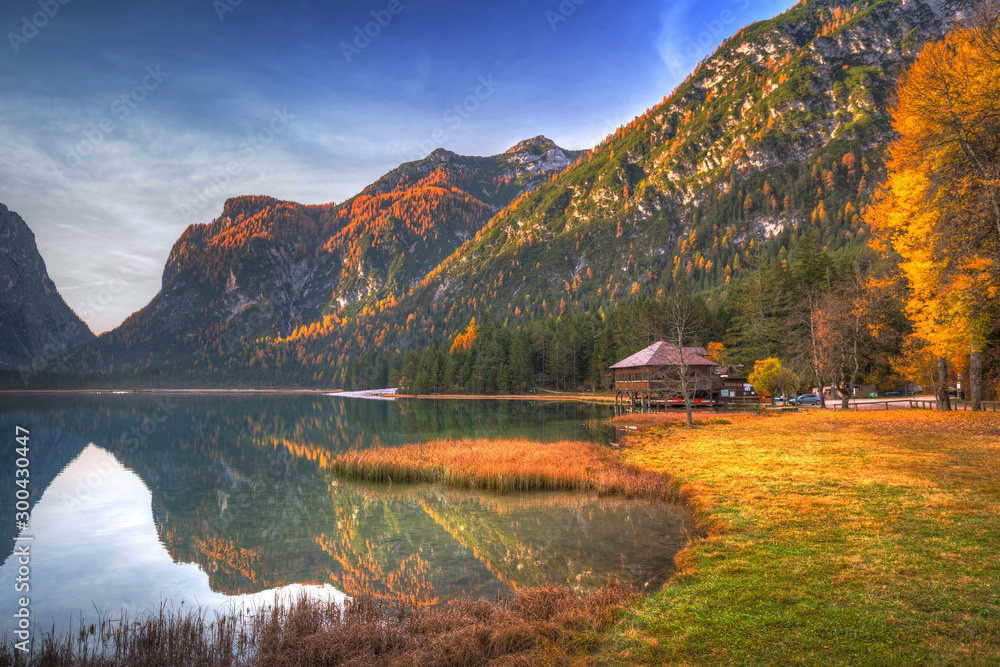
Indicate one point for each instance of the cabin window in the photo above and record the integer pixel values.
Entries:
(645, 376)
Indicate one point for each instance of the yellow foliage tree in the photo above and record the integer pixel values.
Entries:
(939, 208)
(465, 340)
(769, 377)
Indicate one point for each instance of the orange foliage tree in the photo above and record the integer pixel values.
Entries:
(939, 208)
(464, 341)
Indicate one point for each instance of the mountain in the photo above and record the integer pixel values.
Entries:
(779, 134)
(265, 267)
(783, 129)
(35, 322)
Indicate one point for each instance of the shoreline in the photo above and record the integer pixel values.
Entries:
(574, 398)
(170, 391)
(373, 393)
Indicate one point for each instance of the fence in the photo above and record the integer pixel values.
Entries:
(921, 403)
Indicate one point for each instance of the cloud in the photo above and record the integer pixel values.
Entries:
(116, 212)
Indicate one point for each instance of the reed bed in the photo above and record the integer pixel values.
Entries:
(674, 418)
(548, 625)
(508, 465)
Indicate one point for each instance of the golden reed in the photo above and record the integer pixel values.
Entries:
(508, 465)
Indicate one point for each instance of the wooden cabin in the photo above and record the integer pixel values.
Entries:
(644, 379)
(736, 390)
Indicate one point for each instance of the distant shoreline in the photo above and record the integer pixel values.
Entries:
(576, 398)
(549, 397)
(171, 391)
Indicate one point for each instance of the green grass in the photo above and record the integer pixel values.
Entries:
(853, 539)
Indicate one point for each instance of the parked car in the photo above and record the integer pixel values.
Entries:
(891, 394)
(805, 399)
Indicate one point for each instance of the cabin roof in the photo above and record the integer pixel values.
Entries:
(662, 353)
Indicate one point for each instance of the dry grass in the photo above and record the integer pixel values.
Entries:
(853, 539)
(549, 625)
(673, 418)
(508, 465)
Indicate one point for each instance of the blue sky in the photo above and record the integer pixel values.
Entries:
(123, 122)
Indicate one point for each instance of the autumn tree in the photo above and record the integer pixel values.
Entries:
(717, 352)
(770, 377)
(939, 208)
(679, 320)
(465, 340)
(858, 326)
(813, 275)
(843, 337)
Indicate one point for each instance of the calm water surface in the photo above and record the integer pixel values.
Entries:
(228, 500)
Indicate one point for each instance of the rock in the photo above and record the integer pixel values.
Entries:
(36, 325)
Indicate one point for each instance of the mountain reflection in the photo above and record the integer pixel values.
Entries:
(240, 486)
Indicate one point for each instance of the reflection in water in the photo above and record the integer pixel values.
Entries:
(185, 498)
(474, 544)
(96, 546)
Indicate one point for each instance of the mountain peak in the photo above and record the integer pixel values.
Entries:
(246, 205)
(35, 322)
(441, 155)
(539, 142)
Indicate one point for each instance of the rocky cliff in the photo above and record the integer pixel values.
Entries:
(35, 323)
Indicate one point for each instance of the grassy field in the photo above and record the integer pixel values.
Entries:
(851, 539)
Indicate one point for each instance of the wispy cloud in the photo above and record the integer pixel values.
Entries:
(116, 209)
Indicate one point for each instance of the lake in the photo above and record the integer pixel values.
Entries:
(138, 500)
